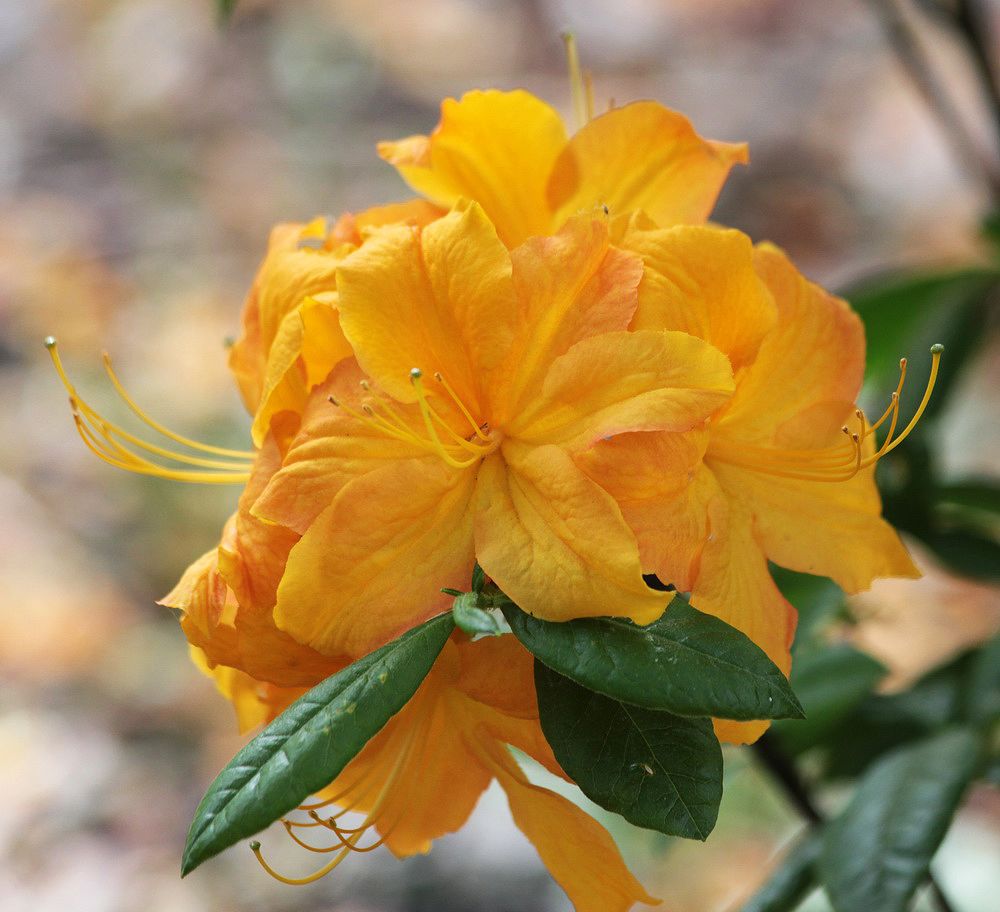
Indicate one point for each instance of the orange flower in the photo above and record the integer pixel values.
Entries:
(451, 740)
(478, 373)
(509, 152)
(772, 475)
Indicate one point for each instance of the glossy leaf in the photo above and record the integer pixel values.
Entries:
(794, 879)
(878, 851)
(307, 746)
(687, 663)
(657, 770)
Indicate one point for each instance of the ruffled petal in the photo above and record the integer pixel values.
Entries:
(301, 260)
(642, 156)
(440, 300)
(701, 280)
(555, 541)
(331, 448)
(497, 148)
(827, 528)
(626, 381)
(373, 563)
(570, 286)
(809, 369)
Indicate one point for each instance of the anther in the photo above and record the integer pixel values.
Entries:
(50, 342)
(255, 846)
(332, 400)
(415, 374)
(937, 348)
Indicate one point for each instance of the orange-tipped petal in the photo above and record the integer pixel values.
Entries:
(555, 541)
(642, 156)
(496, 148)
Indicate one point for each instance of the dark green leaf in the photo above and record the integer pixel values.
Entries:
(657, 770)
(817, 599)
(687, 663)
(830, 683)
(965, 551)
(973, 494)
(982, 684)
(473, 619)
(308, 745)
(794, 879)
(878, 851)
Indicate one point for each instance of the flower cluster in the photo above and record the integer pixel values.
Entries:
(548, 365)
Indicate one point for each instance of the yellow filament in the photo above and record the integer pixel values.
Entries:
(156, 426)
(476, 429)
(350, 844)
(425, 411)
(578, 88)
(835, 463)
(104, 439)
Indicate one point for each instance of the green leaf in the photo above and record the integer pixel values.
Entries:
(982, 685)
(965, 551)
(472, 619)
(977, 495)
(307, 746)
(657, 770)
(687, 663)
(830, 683)
(224, 9)
(794, 879)
(878, 851)
(818, 600)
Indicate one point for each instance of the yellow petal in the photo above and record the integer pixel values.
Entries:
(580, 854)
(497, 148)
(642, 156)
(373, 563)
(440, 300)
(663, 494)
(626, 381)
(701, 280)
(330, 449)
(809, 368)
(570, 286)
(555, 541)
(289, 273)
(828, 528)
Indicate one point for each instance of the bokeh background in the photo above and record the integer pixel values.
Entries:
(144, 153)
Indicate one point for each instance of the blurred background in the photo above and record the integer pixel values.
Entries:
(145, 151)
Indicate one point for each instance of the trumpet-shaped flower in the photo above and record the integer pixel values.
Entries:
(509, 151)
(772, 476)
(421, 776)
(449, 436)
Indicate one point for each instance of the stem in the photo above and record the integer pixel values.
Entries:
(784, 771)
(910, 53)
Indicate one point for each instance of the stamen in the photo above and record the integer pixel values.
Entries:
(476, 429)
(582, 109)
(839, 463)
(299, 881)
(104, 439)
(416, 378)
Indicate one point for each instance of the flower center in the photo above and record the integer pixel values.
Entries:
(839, 463)
(122, 449)
(438, 435)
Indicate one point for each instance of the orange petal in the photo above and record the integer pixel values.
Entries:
(580, 854)
(496, 148)
(555, 541)
(373, 563)
(330, 449)
(438, 300)
(626, 381)
(701, 280)
(661, 488)
(827, 528)
(642, 156)
(809, 368)
(569, 287)
(298, 263)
